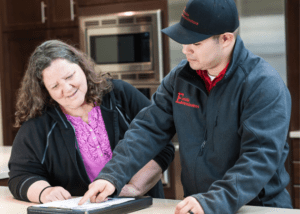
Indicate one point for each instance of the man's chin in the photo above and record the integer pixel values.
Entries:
(194, 66)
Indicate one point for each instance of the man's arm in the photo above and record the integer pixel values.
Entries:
(131, 101)
(143, 180)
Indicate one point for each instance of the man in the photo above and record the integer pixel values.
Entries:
(231, 111)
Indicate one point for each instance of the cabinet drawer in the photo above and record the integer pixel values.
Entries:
(296, 166)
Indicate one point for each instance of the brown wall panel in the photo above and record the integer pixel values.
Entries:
(296, 197)
(296, 173)
(296, 150)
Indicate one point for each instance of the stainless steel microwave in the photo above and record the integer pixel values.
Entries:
(128, 45)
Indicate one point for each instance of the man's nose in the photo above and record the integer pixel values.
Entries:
(186, 49)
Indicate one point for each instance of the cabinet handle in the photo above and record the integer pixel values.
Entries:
(43, 6)
(72, 10)
(294, 134)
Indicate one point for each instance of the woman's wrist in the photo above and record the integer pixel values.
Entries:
(40, 196)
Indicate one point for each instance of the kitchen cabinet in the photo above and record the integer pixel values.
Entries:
(63, 13)
(38, 14)
(18, 46)
(68, 35)
(21, 15)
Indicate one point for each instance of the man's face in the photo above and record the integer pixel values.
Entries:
(204, 55)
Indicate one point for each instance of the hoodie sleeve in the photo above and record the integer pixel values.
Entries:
(25, 163)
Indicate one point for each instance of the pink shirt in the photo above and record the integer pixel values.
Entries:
(93, 141)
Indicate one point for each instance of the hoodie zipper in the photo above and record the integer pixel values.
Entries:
(77, 148)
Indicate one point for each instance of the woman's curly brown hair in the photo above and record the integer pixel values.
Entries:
(33, 97)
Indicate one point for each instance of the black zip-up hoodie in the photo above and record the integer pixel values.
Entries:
(45, 147)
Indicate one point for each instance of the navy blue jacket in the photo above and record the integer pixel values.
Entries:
(232, 141)
(44, 148)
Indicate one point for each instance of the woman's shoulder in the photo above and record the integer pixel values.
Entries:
(38, 122)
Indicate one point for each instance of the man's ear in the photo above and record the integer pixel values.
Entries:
(226, 39)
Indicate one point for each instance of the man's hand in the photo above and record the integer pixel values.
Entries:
(189, 204)
(98, 191)
(55, 194)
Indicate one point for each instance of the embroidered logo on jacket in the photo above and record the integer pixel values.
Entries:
(185, 15)
(185, 101)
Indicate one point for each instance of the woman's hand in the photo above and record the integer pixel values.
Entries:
(49, 194)
(98, 191)
(189, 205)
(54, 194)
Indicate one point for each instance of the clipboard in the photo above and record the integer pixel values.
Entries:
(134, 204)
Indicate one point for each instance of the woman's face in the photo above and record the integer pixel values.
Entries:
(66, 83)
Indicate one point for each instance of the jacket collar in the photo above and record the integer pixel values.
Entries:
(238, 56)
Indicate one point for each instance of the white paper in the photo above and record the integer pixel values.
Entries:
(73, 203)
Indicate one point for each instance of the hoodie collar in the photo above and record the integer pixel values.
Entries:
(57, 115)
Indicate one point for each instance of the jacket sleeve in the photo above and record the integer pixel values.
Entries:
(25, 162)
(136, 101)
(148, 134)
(264, 123)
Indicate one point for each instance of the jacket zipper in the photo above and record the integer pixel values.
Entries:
(203, 143)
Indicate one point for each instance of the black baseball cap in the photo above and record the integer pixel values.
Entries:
(202, 19)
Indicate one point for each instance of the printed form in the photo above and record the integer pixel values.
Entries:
(73, 204)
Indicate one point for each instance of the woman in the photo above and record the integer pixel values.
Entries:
(70, 121)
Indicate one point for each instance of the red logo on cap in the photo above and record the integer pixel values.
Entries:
(185, 16)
